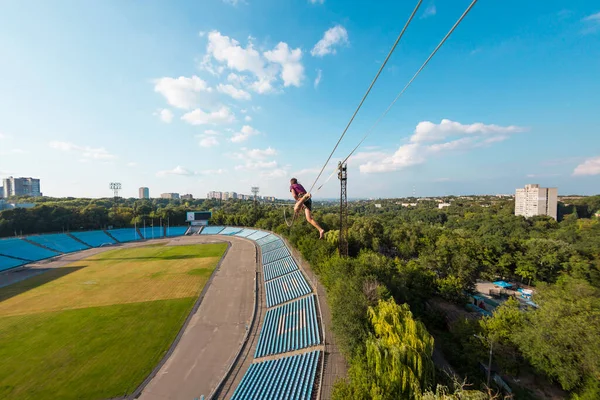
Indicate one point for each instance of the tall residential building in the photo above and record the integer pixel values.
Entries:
(172, 196)
(533, 200)
(214, 195)
(21, 187)
(144, 193)
(187, 197)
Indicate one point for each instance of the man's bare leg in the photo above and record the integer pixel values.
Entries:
(314, 223)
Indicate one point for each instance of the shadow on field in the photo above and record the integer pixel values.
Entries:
(23, 285)
(153, 258)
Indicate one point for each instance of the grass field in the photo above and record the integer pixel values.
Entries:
(95, 329)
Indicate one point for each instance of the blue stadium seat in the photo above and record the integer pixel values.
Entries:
(231, 230)
(211, 230)
(124, 234)
(258, 235)
(59, 242)
(8, 263)
(246, 232)
(94, 238)
(176, 230)
(19, 248)
(290, 327)
(279, 268)
(152, 232)
(272, 246)
(286, 288)
(285, 378)
(275, 255)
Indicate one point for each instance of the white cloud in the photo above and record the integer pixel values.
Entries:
(307, 171)
(209, 142)
(213, 171)
(590, 166)
(260, 69)
(332, 37)
(3, 136)
(471, 136)
(292, 71)
(212, 132)
(261, 154)
(232, 91)
(318, 78)
(226, 50)
(178, 170)
(274, 173)
(429, 12)
(132, 164)
(233, 2)
(594, 17)
(244, 134)
(181, 92)
(427, 131)
(257, 165)
(247, 118)
(316, 1)
(165, 115)
(198, 117)
(407, 155)
(85, 152)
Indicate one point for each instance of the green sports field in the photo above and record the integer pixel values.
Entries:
(96, 328)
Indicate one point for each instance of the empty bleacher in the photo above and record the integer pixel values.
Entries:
(16, 247)
(211, 230)
(258, 235)
(152, 232)
(279, 268)
(285, 378)
(272, 246)
(59, 242)
(124, 234)
(176, 230)
(286, 288)
(290, 327)
(94, 238)
(275, 255)
(7, 263)
(231, 230)
(267, 239)
(245, 232)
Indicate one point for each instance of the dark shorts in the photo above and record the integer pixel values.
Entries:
(308, 204)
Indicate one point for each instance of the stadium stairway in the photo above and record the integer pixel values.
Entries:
(111, 236)
(79, 240)
(41, 245)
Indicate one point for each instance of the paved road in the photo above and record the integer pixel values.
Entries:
(215, 332)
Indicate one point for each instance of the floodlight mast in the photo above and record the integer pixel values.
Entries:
(115, 187)
(255, 190)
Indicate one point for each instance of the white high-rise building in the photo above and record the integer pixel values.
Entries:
(533, 200)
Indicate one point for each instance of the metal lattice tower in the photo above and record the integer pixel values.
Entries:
(255, 190)
(115, 187)
(343, 242)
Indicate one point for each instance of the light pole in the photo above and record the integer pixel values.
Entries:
(491, 343)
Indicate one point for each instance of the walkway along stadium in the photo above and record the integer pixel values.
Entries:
(282, 353)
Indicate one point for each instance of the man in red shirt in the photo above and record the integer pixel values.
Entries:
(298, 192)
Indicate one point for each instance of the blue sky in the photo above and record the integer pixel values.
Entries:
(194, 96)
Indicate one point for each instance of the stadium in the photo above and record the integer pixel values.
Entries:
(225, 312)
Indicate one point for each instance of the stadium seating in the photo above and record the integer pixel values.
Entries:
(211, 230)
(258, 235)
(275, 255)
(59, 242)
(19, 248)
(231, 230)
(285, 378)
(290, 327)
(176, 230)
(245, 232)
(279, 268)
(272, 246)
(266, 240)
(152, 232)
(7, 263)
(286, 288)
(124, 234)
(94, 238)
